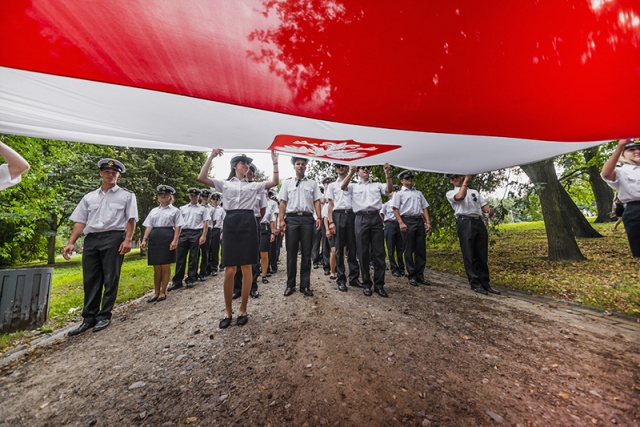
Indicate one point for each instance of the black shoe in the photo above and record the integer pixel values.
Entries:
(102, 324)
(307, 292)
(84, 326)
(154, 299)
(201, 279)
(355, 283)
(242, 320)
(224, 323)
(332, 277)
(254, 294)
(288, 291)
(316, 265)
(423, 281)
(367, 292)
(382, 293)
(326, 273)
(413, 282)
(490, 290)
(190, 285)
(396, 274)
(342, 287)
(174, 286)
(236, 294)
(480, 291)
(214, 273)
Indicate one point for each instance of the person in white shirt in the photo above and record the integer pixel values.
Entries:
(468, 206)
(107, 216)
(392, 236)
(11, 171)
(217, 219)
(366, 201)
(192, 236)
(205, 195)
(240, 229)
(410, 210)
(162, 231)
(622, 172)
(299, 200)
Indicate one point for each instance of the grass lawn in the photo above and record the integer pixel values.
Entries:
(517, 259)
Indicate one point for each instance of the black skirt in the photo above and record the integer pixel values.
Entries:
(159, 242)
(240, 238)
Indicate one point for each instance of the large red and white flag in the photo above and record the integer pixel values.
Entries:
(457, 86)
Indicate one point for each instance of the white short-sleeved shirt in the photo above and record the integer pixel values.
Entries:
(269, 212)
(627, 183)
(471, 205)
(110, 211)
(168, 216)
(217, 214)
(324, 211)
(341, 199)
(409, 202)
(238, 194)
(300, 197)
(366, 196)
(5, 177)
(387, 211)
(194, 215)
(261, 202)
(209, 209)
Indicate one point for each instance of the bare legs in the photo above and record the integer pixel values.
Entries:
(161, 277)
(229, 274)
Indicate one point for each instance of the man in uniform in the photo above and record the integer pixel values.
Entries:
(299, 199)
(366, 200)
(410, 210)
(108, 217)
(468, 206)
(217, 219)
(342, 225)
(276, 245)
(193, 235)
(205, 195)
(392, 236)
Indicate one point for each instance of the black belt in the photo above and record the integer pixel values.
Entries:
(468, 217)
(413, 217)
(368, 213)
(107, 232)
(342, 211)
(391, 220)
(635, 202)
(300, 213)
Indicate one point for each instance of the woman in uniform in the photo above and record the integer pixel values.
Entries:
(622, 172)
(240, 229)
(163, 225)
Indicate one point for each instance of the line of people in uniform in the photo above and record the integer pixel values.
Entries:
(347, 216)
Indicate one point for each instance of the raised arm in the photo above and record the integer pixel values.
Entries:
(276, 177)
(17, 165)
(203, 176)
(609, 167)
(389, 180)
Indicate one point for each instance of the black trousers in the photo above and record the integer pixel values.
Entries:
(631, 222)
(316, 247)
(214, 250)
(370, 247)
(344, 223)
(415, 250)
(274, 253)
(204, 254)
(326, 249)
(299, 235)
(101, 264)
(395, 250)
(188, 245)
(474, 243)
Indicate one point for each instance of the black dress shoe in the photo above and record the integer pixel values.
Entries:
(174, 286)
(254, 294)
(154, 299)
(201, 278)
(355, 283)
(342, 287)
(382, 293)
(102, 324)
(489, 289)
(288, 291)
(236, 294)
(367, 292)
(316, 266)
(413, 282)
(84, 326)
(162, 298)
(326, 273)
(307, 292)
(396, 274)
(242, 320)
(214, 273)
(190, 285)
(480, 291)
(225, 323)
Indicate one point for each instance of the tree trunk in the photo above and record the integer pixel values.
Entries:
(51, 239)
(579, 224)
(561, 241)
(601, 191)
